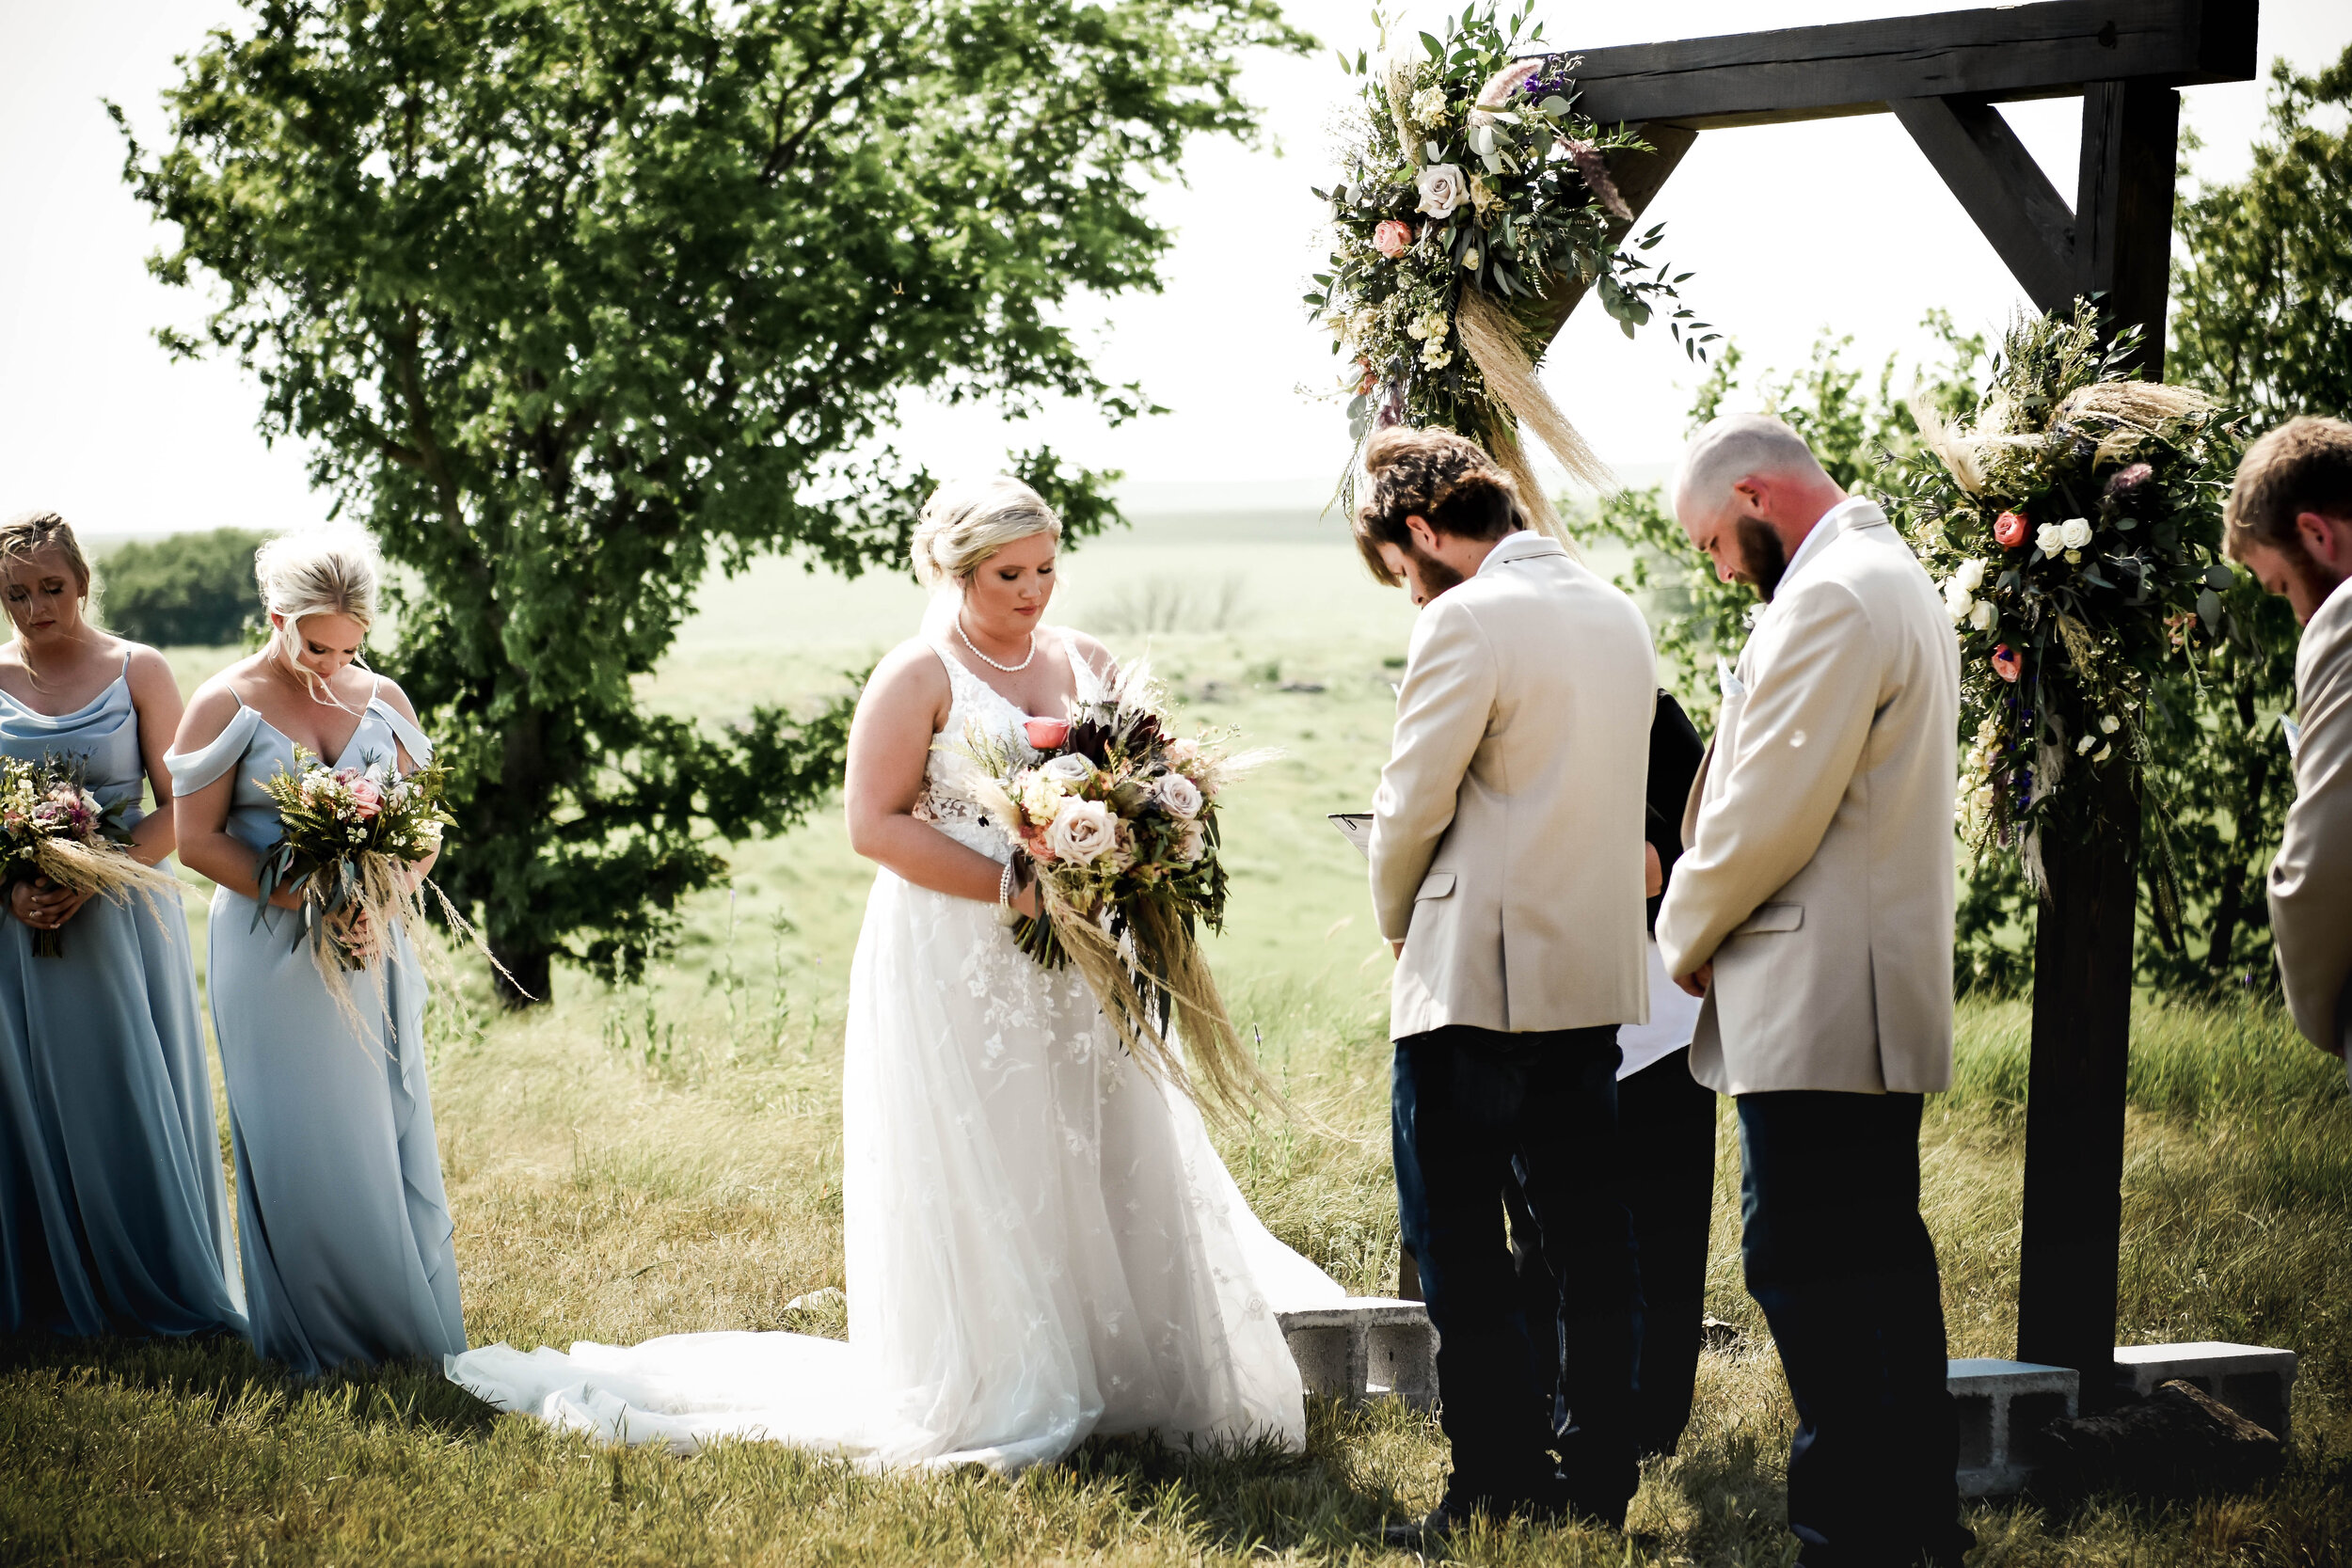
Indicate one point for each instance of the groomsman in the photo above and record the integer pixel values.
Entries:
(2290, 521)
(1813, 910)
(1507, 873)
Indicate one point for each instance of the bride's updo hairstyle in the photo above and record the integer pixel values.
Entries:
(328, 570)
(966, 521)
(1445, 480)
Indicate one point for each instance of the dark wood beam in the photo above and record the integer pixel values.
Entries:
(2017, 52)
(2124, 205)
(1637, 177)
(1999, 184)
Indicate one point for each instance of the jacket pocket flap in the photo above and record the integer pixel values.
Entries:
(1771, 917)
(1438, 884)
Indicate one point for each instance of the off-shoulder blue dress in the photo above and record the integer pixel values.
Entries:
(341, 1218)
(113, 1217)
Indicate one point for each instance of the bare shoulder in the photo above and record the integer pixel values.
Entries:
(909, 676)
(149, 671)
(1089, 648)
(397, 699)
(209, 711)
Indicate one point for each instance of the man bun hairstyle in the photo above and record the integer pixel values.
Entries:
(966, 521)
(2303, 466)
(1447, 481)
(27, 534)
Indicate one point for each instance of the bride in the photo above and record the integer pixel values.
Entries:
(1041, 1244)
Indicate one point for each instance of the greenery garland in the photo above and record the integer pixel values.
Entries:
(2075, 531)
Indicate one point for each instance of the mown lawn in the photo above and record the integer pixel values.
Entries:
(666, 1158)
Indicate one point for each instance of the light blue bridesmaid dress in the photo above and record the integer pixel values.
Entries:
(340, 1214)
(113, 1217)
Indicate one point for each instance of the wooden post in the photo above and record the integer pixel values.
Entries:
(2082, 972)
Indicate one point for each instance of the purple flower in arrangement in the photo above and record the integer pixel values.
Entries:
(2129, 479)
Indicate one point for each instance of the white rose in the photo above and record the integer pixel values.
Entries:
(2049, 538)
(1179, 795)
(1970, 575)
(1068, 768)
(1193, 843)
(1958, 601)
(1083, 831)
(1441, 189)
(2075, 533)
(1983, 616)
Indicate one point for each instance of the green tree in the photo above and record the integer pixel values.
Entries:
(575, 300)
(2261, 317)
(185, 589)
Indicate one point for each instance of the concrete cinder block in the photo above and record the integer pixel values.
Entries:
(2256, 1381)
(1366, 1346)
(2002, 1404)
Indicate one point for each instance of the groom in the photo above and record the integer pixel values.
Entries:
(1507, 872)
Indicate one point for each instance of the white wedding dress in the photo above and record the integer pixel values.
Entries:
(1041, 1244)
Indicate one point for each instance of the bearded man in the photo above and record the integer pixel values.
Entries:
(1813, 910)
(2290, 522)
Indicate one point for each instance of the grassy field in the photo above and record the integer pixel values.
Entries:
(667, 1158)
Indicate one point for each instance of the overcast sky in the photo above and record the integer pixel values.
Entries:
(1838, 223)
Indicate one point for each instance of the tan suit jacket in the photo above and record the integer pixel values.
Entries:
(1507, 834)
(1818, 878)
(2311, 882)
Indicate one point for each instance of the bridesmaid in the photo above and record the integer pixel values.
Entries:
(113, 1217)
(345, 1229)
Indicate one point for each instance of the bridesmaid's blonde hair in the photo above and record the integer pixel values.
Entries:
(966, 521)
(328, 570)
(27, 534)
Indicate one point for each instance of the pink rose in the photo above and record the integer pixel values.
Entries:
(2011, 528)
(1045, 734)
(2005, 663)
(366, 798)
(1393, 238)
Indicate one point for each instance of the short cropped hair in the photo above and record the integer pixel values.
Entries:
(2303, 466)
(1447, 481)
(1731, 446)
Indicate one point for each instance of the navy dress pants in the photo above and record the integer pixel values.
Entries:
(1476, 1111)
(1837, 1255)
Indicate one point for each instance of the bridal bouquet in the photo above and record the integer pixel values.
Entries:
(1118, 818)
(2075, 528)
(52, 826)
(1474, 206)
(348, 838)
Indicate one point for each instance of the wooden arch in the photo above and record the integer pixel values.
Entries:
(1944, 76)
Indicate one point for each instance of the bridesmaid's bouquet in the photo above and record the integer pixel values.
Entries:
(1116, 817)
(52, 826)
(348, 841)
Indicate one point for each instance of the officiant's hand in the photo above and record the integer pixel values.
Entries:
(1696, 982)
(1653, 871)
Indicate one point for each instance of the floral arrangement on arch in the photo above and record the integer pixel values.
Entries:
(2075, 531)
(1474, 206)
(1116, 817)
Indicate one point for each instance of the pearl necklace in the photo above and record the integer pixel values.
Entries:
(1008, 669)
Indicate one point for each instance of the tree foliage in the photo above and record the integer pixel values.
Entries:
(2261, 318)
(577, 300)
(185, 589)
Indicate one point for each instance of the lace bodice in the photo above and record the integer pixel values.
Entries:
(977, 709)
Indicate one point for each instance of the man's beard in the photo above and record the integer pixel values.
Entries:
(2317, 580)
(1435, 575)
(1763, 559)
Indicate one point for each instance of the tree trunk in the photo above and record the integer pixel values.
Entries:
(2082, 1009)
(531, 971)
